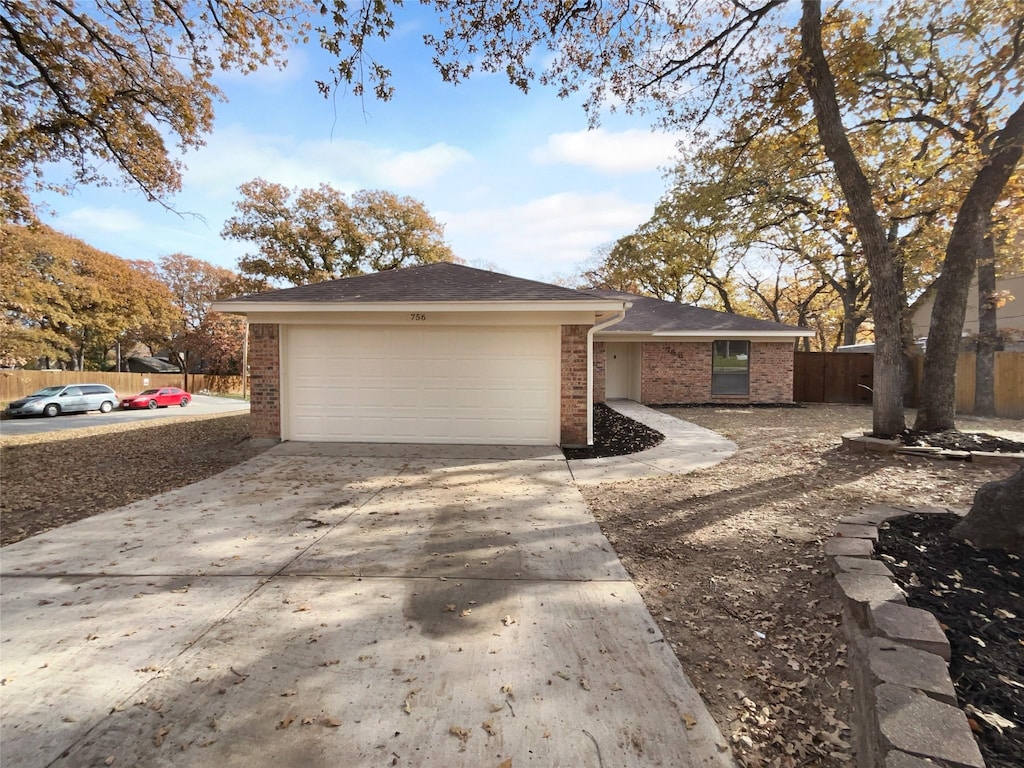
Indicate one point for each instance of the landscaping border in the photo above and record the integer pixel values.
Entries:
(905, 707)
(858, 442)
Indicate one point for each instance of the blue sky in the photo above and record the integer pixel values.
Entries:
(518, 180)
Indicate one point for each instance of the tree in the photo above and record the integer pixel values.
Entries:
(100, 87)
(201, 336)
(920, 70)
(944, 72)
(969, 242)
(67, 303)
(310, 235)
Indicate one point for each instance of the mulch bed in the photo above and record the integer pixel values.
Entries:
(953, 440)
(977, 596)
(615, 435)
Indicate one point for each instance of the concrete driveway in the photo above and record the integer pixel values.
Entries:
(343, 606)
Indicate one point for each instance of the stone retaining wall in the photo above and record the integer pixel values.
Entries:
(905, 707)
(858, 442)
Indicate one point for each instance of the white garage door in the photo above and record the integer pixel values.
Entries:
(422, 385)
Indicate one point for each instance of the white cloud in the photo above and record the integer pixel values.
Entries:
(89, 219)
(628, 151)
(269, 77)
(420, 167)
(234, 155)
(543, 235)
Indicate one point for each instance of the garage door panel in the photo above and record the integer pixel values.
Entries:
(431, 385)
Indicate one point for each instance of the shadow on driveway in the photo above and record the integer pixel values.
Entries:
(306, 608)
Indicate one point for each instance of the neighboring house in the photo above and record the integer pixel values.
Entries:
(149, 364)
(1009, 317)
(444, 353)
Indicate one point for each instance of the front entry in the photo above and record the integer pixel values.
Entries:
(622, 371)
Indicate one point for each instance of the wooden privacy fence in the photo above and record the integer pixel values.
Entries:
(843, 377)
(832, 377)
(16, 383)
(1009, 383)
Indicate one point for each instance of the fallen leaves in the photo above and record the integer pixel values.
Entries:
(161, 734)
(461, 734)
(187, 451)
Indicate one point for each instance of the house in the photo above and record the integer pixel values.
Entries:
(150, 364)
(445, 353)
(664, 353)
(1009, 315)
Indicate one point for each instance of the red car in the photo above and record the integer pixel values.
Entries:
(157, 398)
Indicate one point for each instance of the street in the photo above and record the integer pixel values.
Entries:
(201, 404)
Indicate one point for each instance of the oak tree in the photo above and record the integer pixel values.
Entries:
(314, 234)
(66, 303)
(103, 86)
(201, 338)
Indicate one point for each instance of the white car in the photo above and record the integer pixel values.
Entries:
(68, 398)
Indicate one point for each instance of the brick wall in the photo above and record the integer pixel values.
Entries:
(574, 385)
(599, 372)
(265, 381)
(680, 372)
(771, 372)
(675, 372)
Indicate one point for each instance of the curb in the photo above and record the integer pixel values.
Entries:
(906, 713)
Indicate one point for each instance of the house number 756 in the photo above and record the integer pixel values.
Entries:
(417, 317)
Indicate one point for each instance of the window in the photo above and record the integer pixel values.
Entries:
(730, 371)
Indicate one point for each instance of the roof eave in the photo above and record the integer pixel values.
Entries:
(296, 307)
(731, 333)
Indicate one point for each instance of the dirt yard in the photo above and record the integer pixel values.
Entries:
(729, 559)
(53, 479)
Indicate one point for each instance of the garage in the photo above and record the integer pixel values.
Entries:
(430, 384)
(436, 353)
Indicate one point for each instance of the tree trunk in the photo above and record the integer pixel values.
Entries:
(988, 335)
(996, 519)
(887, 412)
(966, 244)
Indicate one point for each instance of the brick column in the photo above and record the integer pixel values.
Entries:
(265, 381)
(574, 385)
(599, 372)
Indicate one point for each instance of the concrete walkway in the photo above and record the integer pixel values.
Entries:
(686, 447)
(347, 606)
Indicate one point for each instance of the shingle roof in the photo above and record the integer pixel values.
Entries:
(649, 315)
(441, 281)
